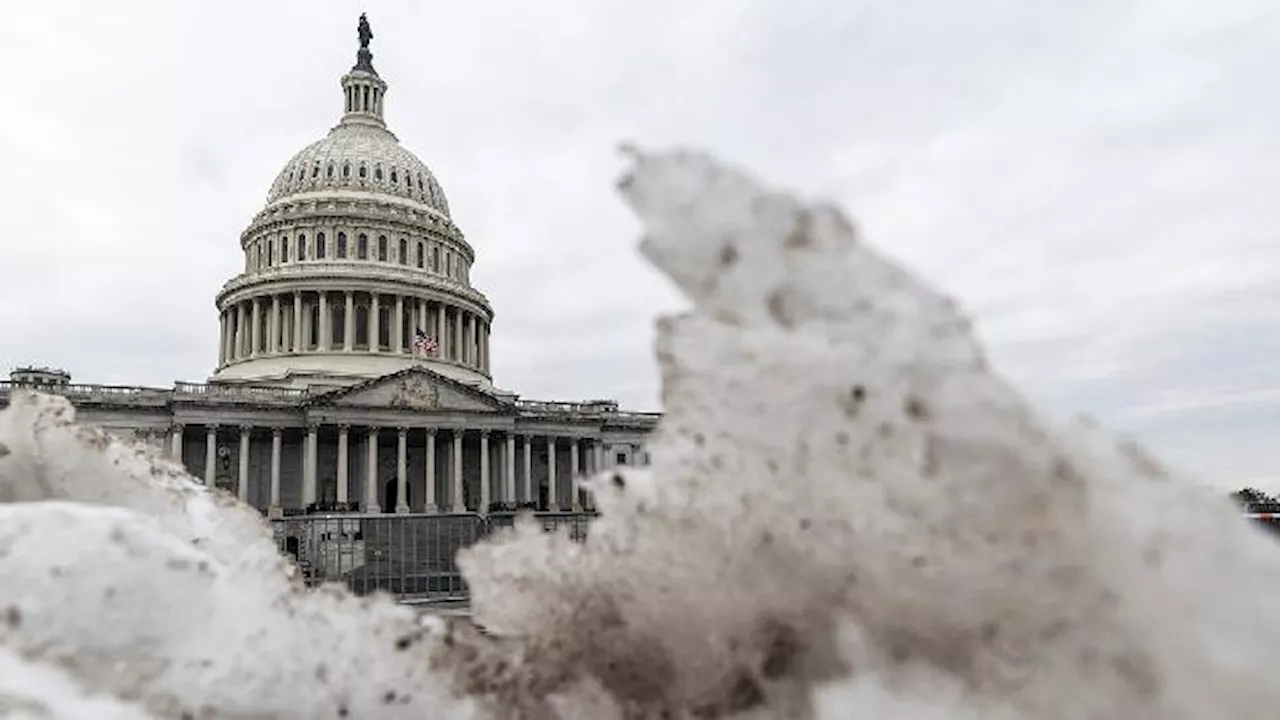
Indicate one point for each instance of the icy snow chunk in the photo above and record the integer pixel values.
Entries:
(177, 598)
(841, 488)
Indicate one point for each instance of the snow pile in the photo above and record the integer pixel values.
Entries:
(847, 515)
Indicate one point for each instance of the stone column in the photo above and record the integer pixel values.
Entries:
(309, 466)
(598, 446)
(222, 339)
(371, 472)
(297, 321)
(402, 472)
(175, 444)
(553, 497)
(431, 503)
(458, 505)
(509, 471)
(457, 335)
(485, 480)
(326, 333)
(421, 323)
(242, 476)
(275, 509)
(349, 323)
(375, 325)
(344, 481)
(527, 482)
(573, 475)
(210, 454)
(397, 330)
(240, 336)
(273, 325)
(441, 351)
(255, 332)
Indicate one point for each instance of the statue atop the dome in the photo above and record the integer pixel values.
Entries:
(364, 58)
(365, 33)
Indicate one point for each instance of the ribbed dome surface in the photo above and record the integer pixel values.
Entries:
(359, 157)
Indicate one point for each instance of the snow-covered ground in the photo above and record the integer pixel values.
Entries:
(847, 515)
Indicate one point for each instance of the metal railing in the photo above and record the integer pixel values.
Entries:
(412, 557)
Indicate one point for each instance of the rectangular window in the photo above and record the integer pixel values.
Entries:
(284, 250)
(362, 247)
(271, 252)
(382, 248)
(619, 459)
(404, 252)
(342, 246)
(419, 256)
(435, 259)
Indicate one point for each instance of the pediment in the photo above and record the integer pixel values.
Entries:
(415, 389)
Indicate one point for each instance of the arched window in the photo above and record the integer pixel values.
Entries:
(362, 247)
(291, 176)
(302, 247)
(346, 170)
(342, 246)
(328, 171)
(435, 258)
(419, 181)
(420, 254)
(315, 170)
(271, 252)
(382, 248)
(395, 180)
(377, 173)
(284, 249)
(364, 171)
(404, 252)
(321, 250)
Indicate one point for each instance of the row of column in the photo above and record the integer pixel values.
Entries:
(594, 461)
(312, 322)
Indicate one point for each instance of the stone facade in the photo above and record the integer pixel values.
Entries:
(353, 368)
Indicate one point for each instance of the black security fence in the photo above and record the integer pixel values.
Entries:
(413, 557)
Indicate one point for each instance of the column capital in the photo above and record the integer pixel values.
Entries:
(177, 427)
(402, 430)
(246, 429)
(344, 427)
(485, 432)
(211, 427)
(312, 426)
(431, 431)
(372, 431)
(277, 432)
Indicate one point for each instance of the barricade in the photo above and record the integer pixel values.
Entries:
(412, 557)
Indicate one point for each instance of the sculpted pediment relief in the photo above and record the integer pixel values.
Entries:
(416, 390)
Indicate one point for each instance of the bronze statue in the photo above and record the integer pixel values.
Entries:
(365, 33)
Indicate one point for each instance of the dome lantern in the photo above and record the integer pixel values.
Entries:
(363, 91)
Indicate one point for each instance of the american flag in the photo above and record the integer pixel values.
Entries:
(424, 342)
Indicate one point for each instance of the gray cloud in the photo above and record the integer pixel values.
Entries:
(1092, 179)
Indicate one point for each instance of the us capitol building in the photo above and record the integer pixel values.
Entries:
(353, 355)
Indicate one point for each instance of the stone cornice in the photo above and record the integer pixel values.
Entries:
(340, 209)
(313, 275)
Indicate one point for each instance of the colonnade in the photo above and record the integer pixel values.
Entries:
(350, 321)
(586, 455)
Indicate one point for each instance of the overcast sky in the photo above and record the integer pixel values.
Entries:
(1095, 180)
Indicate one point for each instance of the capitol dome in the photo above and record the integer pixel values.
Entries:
(359, 158)
(354, 268)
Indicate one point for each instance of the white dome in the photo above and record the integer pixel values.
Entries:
(359, 157)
